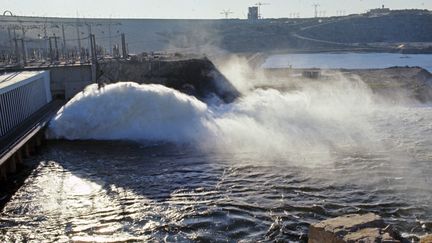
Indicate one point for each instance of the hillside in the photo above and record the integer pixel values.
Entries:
(353, 33)
(395, 27)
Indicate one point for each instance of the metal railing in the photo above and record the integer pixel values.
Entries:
(20, 99)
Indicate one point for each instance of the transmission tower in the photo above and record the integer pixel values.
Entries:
(226, 13)
(259, 5)
(316, 5)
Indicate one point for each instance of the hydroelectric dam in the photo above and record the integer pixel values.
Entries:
(300, 129)
(167, 147)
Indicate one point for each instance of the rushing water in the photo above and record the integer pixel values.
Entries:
(114, 191)
(349, 60)
(260, 169)
(118, 191)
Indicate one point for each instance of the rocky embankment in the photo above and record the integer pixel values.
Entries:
(396, 83)
(414, 82)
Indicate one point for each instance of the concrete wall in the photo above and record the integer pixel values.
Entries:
(68, 81)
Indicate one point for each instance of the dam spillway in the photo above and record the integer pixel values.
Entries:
(139, 141)
(27, 93)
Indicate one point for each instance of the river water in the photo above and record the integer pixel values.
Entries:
(147, 163)
(349, 60)
(117, 191)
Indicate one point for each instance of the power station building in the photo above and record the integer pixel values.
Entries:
(253, 13)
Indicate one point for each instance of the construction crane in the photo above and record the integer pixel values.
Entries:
(259, 5)
(316, 5)
(226, 13)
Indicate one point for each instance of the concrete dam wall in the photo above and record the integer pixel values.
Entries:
(234, 35)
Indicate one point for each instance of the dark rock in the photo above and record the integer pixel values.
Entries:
(195, 76)
(426, 239)
(352, 228)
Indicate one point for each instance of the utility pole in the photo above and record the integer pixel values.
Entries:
(54, 54)
(24, 57)
(10, 38)
(316, 5)
(109, 33)
(51, 55)
(124, 50)
(294, 15)
(10, 44)
(94, 61)
(93, 48)
(322, 14)
(90, 40)
(45, 28)
(64, 42)
(21, 55)
(56, 47)
(24, 49)
(78, 39)
(17, 55)
(45, 37)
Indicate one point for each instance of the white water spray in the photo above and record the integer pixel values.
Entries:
(306, 124)
(129, 111)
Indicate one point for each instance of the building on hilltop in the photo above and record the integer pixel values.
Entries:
(385, 11)
(379, 11)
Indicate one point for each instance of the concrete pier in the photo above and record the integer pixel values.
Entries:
(25, 140)
(26, 106)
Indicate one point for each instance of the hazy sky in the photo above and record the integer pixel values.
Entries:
(195, 8)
